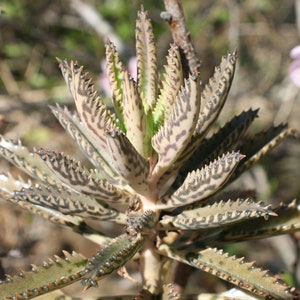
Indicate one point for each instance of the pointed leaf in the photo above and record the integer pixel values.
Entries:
(146, 60)
(217, 214)
(204, 182)
(222, 141)
(171, 84)
(79, 134)
(111, 258)
(52, 275)
(133, 167)
(175, 134)
(286, 221)
(72, 174)
(134, 116)
(91, 110)
(261, 144)
(25, 160)
(57, 197)
(234, 270)
(215, 93)
(8, 186)
(115, 69)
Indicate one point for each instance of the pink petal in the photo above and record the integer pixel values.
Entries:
(295, 52)
(294, 72)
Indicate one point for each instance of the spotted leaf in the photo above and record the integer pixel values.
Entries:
(146, 60)
(204, 182)
(53, 274)
(75, 176)
(172, 138)
(250, 277)
(217, 214)
(133, 167)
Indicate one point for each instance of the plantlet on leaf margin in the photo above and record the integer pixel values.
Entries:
(157, 171)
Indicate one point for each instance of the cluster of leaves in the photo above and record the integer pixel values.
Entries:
(159, 172)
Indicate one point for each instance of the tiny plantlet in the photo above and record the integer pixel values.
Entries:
(159, 171)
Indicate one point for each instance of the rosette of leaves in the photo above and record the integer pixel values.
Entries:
(158, 171)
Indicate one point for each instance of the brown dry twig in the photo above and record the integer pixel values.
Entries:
(181, 36)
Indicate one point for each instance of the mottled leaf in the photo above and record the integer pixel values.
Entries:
(79, 134)
(75, 176)
(171, 84)
(203, 182)
(115, 69)
(27, 161)
(133, 167)
(175, 134)
(69, 202)
(111, 257)
(260, 145)
(146, 60)
(51, 275)
(235, 270)
(215, 92)
(134, 116)
(217, 214)
(222, 141)
(286, 221)
(91, 110)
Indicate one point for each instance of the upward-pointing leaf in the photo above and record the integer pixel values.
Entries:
(215, 93)
(171, 84)
(146, 60)
(80, 135)
(93, 113)
(172, 138)
(115, 69)
(134, 116)
(132, 166)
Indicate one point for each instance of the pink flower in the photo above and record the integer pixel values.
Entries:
(294, 69)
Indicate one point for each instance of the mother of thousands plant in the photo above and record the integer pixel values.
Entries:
(159, 172)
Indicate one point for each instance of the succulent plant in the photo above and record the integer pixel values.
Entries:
(158, 171)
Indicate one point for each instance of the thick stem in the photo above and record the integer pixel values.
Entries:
(181, 36)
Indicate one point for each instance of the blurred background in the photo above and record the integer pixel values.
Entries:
(33, 33)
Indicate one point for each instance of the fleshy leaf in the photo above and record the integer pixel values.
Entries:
(133, 167)
(286, 221)
(217, 214)
(79, 134)
(215, 92)
(204, 182)
(27, 161)
(66, 201)
(115, 69)
(235, 270)
(80, 179)
(54, 274)
(261, 144)
(121, 249)
(222, 141)
(91, 110)
(134, 116)
(171, 84)
(172, 138)
(146, 60)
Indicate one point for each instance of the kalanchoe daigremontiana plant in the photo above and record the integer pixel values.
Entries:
(157, 173)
